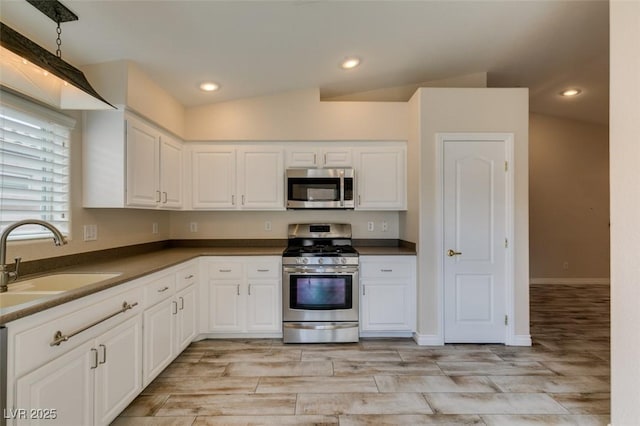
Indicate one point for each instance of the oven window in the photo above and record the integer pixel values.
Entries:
(317, 189)
(320, 292)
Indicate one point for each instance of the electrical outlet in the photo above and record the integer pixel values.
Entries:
(370, 226)
(267, 225)
(154, 228)
(385, 226)
(90, 232)
(193, 227)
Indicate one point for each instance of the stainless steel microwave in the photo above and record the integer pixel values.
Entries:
(320, 188)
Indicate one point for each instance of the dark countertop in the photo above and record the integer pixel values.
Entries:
(133, 267)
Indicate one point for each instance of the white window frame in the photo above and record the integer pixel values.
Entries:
(35, 166)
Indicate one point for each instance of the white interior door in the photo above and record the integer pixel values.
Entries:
(475, 240)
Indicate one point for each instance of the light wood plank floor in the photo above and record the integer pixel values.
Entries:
(562, 379)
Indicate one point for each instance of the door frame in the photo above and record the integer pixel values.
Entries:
(508, 140)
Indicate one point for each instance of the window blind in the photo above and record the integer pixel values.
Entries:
(34, 167)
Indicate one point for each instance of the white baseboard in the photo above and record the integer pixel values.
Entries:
(385, 334)
(520, 340)
(428, 339)
(565, 281)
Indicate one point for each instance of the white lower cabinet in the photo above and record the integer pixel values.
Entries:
(244, 295)
(91, 384)
(388, 295)
(170, 324)
(83, 362)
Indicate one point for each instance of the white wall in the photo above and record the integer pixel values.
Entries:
(568, 200)
(625, 211)
(466, 110)
(295, 116)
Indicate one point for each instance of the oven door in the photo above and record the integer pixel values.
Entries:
(320, 293)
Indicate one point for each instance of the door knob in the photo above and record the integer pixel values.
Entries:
(452, 253)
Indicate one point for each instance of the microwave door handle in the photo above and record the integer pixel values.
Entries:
(341, 189)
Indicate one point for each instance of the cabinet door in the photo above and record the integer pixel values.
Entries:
(65, 384)
(302, 157)
(159, 336)
(186, 318)
(263, 306)
(119, 372)
(142, 164)
(333, 157)
(385, 306)
(213, 178)
(261, 179)
(170, 173)
(381, 179)
(227, 306)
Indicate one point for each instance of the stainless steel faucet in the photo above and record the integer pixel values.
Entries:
(5, 274)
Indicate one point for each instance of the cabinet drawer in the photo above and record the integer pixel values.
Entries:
(186, 276)
(267, 269)
(159, 290)
(225, 270)
(385, 269)
(33, 346)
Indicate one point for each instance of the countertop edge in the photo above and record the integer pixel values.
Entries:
(141, 265)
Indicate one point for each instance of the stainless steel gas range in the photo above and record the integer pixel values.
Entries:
(320, 284)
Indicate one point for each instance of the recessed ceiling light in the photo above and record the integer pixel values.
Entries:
(209, 87)
(350, 63)
(570, 92)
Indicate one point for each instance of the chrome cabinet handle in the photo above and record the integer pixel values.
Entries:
(263, 270)
(158, 196)
(175, 307)
(224, 270)
(249, 291)
(233, 200)
(452, 253)
(95, 358)
(58, 337)
(163, 289)
(238, 289)
(104, 354)
(243, 199)
(188, 277)
(364, 290)
(181, 303)
(165, 197)
(386, 270)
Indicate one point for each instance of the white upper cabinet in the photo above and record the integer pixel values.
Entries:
(171, 183)
(143, 164)
(381, 177)
(261, 178)
(128, 162)
(318, 155)
(213, 177)
(237, 177)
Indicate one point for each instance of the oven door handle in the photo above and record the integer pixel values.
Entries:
(332, 270)
(310, 326)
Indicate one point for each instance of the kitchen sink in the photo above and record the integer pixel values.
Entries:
(18, 298)
(58, 282)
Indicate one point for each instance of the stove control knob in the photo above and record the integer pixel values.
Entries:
(305, 260)
(321, 261)
(343, 260)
